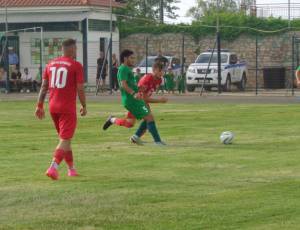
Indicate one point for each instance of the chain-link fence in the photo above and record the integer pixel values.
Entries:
(21, 62)
(249, 64)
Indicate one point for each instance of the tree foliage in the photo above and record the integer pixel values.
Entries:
(146, 12)
(208, 7)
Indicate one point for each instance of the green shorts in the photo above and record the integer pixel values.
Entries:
(138, 108)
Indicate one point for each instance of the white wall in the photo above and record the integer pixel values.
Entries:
(25, 47)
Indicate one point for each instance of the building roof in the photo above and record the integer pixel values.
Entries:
(45, 3)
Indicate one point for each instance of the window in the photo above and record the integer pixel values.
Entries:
(102, 44)
(100, 25)
(233, 59)
(204, 58)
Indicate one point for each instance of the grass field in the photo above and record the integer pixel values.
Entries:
(193, 183)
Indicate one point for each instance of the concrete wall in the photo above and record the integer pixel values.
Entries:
(274, 50)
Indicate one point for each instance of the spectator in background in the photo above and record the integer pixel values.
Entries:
(138, 75)
(15, 81)
(169, 80)
(37, 82)
(115, 66)
(27, 83)
(162, 59)
(13, 58)
(2, 78)
(102, 66)
(181, 83)
(13, 61)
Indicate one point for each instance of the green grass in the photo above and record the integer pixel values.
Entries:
(193, 183)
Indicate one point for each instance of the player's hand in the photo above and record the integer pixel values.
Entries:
(163, 100)
(40, 113)
(83, 111)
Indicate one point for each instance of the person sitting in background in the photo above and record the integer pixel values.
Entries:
(27, 83)
(15, 81)
(2, 78)
(13, 61)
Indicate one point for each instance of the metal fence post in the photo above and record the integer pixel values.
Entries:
(7, 64)
(256, 67)
(182, 56)
(293, 64)
(219, 61)
(147, 47)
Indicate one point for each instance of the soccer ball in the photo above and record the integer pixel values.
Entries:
(226, 137)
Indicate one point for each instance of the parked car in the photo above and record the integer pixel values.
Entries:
(232, 71)
(173, 62)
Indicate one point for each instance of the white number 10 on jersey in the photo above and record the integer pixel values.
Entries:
(58, 77)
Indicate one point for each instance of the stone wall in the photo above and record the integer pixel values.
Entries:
(274, 50)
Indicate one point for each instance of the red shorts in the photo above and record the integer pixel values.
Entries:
(65, 124)
(130, 115)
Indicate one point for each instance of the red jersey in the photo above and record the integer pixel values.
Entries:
(63, 75)
(149, 83)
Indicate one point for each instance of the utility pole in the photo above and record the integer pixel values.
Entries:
(289, 13)
(219, 47)
(6, 49)
(161, 10)
(110, 47)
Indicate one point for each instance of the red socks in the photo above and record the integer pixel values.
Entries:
(123, 122)
(59, 155)
(69, 159)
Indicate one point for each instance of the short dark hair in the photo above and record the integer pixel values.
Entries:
(158, 65)
(68, 42)
(125, 54)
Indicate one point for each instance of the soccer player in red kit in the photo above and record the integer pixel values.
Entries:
(148, 84)
(63, 77)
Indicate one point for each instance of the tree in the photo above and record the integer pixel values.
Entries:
(206, 7)
(146, 11)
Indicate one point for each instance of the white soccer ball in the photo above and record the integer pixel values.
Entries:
(226, 137)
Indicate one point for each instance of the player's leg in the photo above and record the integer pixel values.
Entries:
(136, 138)
(151, 126)
(69, 123)
(140, 111)
(65, 125)
(143, 127)
(58, 154)
(127, 122)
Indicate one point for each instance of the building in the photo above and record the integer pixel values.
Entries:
(87, 21)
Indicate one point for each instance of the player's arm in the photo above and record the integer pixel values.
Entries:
(298, 77)
(82, 99)
(125, 86)
(40, 112)
(148, 99)
(80, 89)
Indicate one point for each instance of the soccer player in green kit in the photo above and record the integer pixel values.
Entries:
(132, 100)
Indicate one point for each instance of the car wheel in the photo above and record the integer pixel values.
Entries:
(190, 88)
(207, 88)
(227, 86)
(243, 82)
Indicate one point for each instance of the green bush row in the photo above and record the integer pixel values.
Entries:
(232, 26)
